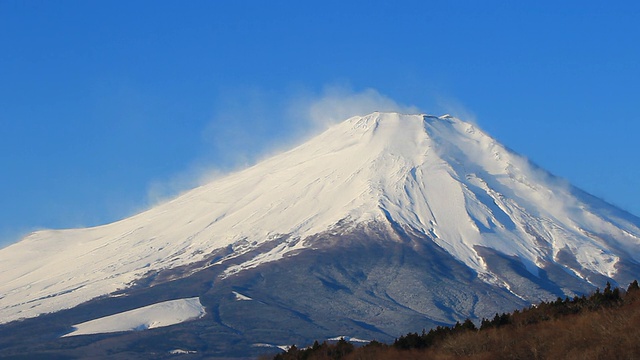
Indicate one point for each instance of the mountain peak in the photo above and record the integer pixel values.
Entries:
(396, 121)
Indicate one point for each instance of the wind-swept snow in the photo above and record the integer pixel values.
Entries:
(153, 316)
(436, 175)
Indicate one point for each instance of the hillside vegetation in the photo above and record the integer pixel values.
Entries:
(604, 325)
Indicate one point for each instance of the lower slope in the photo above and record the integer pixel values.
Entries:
(372, 281)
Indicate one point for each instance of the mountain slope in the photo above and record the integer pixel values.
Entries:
(385, 183)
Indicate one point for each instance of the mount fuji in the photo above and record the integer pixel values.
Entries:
(380, 225)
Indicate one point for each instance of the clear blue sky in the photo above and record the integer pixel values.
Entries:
(107, 105)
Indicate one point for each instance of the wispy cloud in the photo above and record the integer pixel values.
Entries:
(336, 103)
(11, 235)
(454, 107)
(252, 124)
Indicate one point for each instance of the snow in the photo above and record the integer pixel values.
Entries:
(149, 317)
(240, 297)
(337, 338)
(438, 175)
(182, 352)
(281, 347)
(349, 339)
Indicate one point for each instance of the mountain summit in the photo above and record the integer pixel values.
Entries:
(378, 222)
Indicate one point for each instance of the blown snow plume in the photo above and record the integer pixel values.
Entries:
(389, 218)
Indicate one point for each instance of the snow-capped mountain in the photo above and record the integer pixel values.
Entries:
(384, 216)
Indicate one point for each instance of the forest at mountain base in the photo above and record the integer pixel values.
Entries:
(604, 325)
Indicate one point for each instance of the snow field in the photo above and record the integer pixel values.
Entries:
(149, 317)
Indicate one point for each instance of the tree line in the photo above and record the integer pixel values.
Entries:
(604, 324)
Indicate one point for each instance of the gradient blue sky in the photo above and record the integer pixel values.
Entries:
(108, 106)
